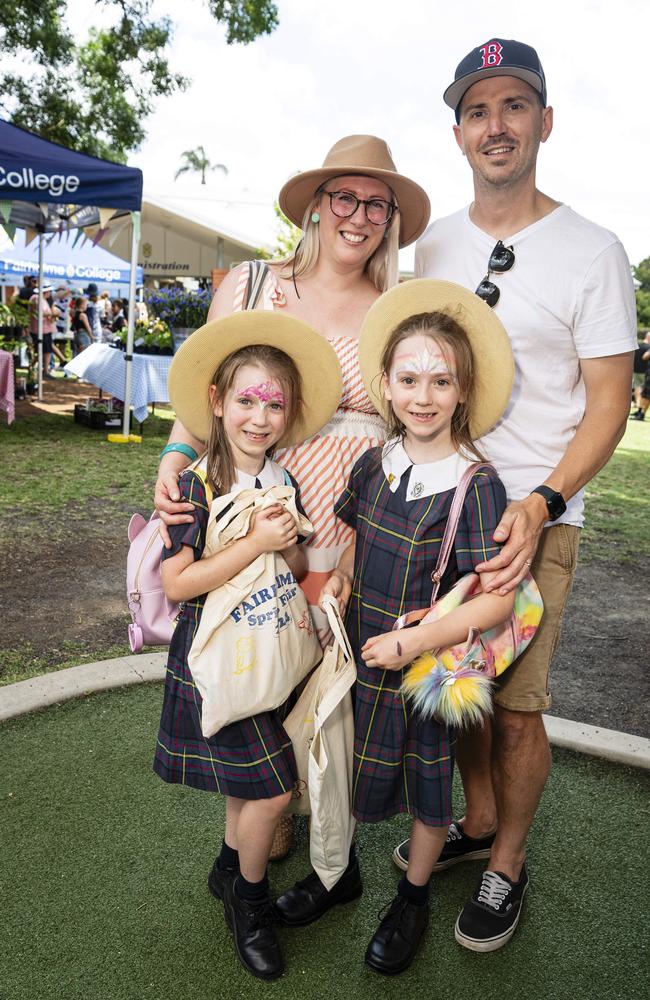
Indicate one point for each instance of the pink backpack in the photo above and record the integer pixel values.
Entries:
(153, 615)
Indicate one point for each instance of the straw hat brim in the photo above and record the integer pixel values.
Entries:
(493, 359)
(196, 361)
(413, 201)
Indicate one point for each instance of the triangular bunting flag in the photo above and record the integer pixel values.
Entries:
(104, 215)
(80, 233)
(30, 234)
(10, 229)
(114, 232)
(5, 210)
(44, 207)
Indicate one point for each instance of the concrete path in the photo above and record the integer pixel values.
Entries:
(76, 682)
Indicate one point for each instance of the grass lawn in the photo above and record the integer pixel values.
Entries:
(104, 897)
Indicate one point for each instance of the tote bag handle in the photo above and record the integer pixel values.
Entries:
(331, 606)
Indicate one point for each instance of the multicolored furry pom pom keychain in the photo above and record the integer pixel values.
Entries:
(458, 694)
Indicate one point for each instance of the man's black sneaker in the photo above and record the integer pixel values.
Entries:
(218, 878)
(458, 847)
(393, 946)
(489, 920)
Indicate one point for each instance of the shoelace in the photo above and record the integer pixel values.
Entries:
(391, 914)
(453, 833)
(258, 917)
(494, 890)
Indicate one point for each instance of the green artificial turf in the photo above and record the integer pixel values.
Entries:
(103, 883)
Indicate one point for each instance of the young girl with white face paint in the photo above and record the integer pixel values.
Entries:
(398, 499)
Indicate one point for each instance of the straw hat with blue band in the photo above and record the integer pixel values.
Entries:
(196, 361)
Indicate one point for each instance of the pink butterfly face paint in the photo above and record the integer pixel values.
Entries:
(419, 355)
(265, 394)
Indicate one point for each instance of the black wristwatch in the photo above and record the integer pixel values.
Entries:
(555, 502)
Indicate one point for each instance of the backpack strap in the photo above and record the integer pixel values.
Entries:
(287, 478)
(203, 476)
(453, 519)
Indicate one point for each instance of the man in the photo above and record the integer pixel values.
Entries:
(563, 289)
(92, 292)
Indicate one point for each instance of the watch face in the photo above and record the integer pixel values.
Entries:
(554, 501)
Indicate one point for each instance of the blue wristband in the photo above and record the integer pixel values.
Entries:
(184, 449)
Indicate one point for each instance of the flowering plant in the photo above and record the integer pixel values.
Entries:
(180, 308)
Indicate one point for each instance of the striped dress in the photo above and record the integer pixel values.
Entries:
(322, 465)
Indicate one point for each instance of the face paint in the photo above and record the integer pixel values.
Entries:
(265, 394)
(423, 362)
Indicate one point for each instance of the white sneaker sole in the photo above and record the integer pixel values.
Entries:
(441, 866)
(488, 944)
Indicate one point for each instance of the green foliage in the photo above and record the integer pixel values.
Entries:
(197, 161)
(96, 96)
(245, 19)
(287, 237)
(642, 274)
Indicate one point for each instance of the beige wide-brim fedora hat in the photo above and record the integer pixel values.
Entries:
(370, 157)
(196, 361)
(494, 363)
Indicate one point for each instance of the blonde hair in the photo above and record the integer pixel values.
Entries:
(382, 268)
(452, 338)
(221, 471)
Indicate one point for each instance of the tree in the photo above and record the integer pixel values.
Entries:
(197, 161)
(642, 274)
(287, 237)
(95, 97)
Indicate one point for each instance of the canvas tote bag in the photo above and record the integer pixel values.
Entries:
(321, 727)
(256, 640)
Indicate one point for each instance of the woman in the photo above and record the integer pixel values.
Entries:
(81, 329)
(355, 212)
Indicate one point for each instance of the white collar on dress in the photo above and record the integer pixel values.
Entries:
(271, 474)
(426, 478)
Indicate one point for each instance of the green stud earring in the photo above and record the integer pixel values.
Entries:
(315, 217)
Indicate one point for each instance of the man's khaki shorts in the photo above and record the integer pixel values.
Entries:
(524, 687)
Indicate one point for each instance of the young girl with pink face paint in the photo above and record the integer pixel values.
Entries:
(255, 397)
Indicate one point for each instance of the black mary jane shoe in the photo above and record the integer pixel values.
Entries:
(308, 899)
(393, 946)
(252, 927)
(218, 878)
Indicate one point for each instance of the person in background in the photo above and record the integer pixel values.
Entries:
(93, 310)
(50, 312)
(642, 368)
(81, 329)
(118, 319)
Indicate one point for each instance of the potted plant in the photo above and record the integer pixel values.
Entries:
(183, 311)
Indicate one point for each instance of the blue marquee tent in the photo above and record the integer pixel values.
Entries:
(67, 262)
(47, 188)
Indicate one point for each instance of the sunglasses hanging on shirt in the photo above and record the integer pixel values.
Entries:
(501, 259)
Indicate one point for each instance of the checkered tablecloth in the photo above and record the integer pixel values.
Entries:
(7, 385)
(104, 367)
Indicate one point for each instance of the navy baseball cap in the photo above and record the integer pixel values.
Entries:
(497, 57)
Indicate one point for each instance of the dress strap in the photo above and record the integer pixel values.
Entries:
(257, 287)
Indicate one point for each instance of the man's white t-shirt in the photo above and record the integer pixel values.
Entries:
(569, 295)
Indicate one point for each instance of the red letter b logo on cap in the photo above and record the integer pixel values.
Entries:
(491, 54)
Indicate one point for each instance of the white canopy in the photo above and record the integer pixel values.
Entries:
(189, 237)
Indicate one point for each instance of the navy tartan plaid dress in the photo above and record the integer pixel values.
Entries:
(249, 759)
(403, 763)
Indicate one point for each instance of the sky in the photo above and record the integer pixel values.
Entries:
(276, 106)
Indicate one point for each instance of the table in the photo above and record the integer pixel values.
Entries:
(7, 401)
(104, 367)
